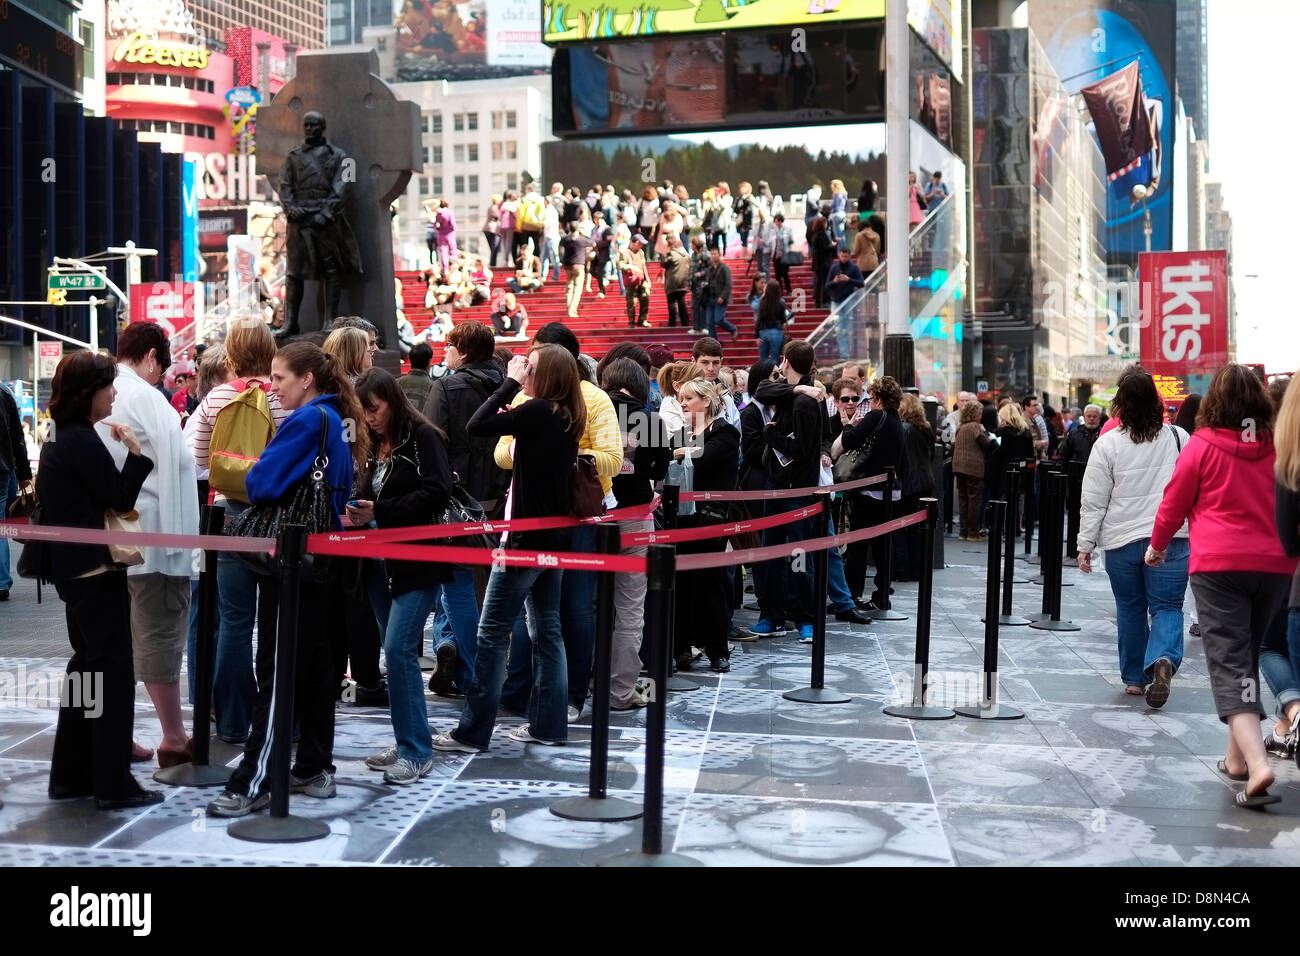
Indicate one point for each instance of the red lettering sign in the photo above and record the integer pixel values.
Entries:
(1184, 311)
(169, 304)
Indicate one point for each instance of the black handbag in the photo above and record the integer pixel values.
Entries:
(464, 508)
(588, 496)
(846, 466)
(35, 563)
(310, 504)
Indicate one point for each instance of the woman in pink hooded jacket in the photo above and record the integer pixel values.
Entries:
(1223, 484)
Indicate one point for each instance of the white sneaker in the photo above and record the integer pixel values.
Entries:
(524, 734)
(408, 771)
(382, 760)
(635, 702)
(446, 742)
(574, 714)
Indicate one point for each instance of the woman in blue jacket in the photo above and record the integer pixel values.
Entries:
(312, 387)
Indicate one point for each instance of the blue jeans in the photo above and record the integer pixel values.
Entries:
(507, 591)
(8, 492)
(769, 344)
(1278, 659)
(234, 688)
(716, 316)
(1141, 590)
(457, 621)
(777, 586)
(837, 586)
(550, 256)
(401, 618)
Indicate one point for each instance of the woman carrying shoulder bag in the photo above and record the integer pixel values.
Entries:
(407, 482)
(77, 483)
(313, 388)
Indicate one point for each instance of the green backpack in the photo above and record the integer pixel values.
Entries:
(242, 431)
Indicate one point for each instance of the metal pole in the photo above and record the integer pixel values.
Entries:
(917, 709)
(897, 164)
(1007, 618)
(597, 805)
(673, 682)
(887, 612)
(1052, 569)
(988, 707)
(279, 826)
(817, 692)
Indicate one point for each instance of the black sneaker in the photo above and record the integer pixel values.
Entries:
(443, 680)
(373, 696)
(720, 665)
(852, 616)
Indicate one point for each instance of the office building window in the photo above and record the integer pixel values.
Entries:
(458, 153)
(473, 184)
(498, 119)
(435, 155)
(510, 119)
(473, 121)
(436, 188)
(460, 184)
(472, 212)
(435, 124)
(497, 151)
(512, 180)
(424, 123)
(472, 152)
(512, 149)
(458, 122)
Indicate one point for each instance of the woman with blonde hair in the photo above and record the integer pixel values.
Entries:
(352, 348)
(1223, 484)
(968, 466)
(1015, 443)
(714, 446)
(671, 377)
(1280, 660)
(839, 209)
(746, 209)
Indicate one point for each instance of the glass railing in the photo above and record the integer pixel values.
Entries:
(855, 330)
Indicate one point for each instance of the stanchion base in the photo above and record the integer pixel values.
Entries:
(1030, 558)
(912, 712)
(1039, 617)
(817, 695)
(888, 614)
(188, 775)
(269, 829)
(592, 810)
(1019, 580)
(996, 712)
(1010, 620)
(650, 859)
(1040, 580)
(1050, 625)
(681, 684)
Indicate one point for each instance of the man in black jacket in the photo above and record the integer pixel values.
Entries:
(452, 400)
(15, 470)
(792, 458)
(1075, 451)
(718, 281)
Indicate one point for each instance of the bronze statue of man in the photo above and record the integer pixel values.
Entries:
(320, 242)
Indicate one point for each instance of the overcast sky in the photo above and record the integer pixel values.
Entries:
(1254, 144)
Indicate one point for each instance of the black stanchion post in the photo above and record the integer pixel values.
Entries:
(1026, 483)
(817, 692)
(279, 826)
(886, 611)
(672, 500)
(918, 709)
(988, 707)
(1016, 475)
(661, 569)
(597, 806)
(198, 773)
(1052, 562)
(1007, 618)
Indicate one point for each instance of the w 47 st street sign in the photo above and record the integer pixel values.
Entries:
(76, 280)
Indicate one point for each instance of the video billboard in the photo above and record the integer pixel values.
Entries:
(477, 39)
(587, 21)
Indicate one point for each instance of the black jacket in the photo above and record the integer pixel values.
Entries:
(415, 492)
(452, 401)
(717, 465)
(1286, 513)
(753, 476)
(644, 462)
(795, 432)
(887, 452)
(77, 482)
(13, 447)
(1012, 446)
(1078, 444)
(918, 443)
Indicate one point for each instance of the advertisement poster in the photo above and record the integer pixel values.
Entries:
(1184, 311)
(1088, 42)
(441, 40)
(168, 304)
(595, 20)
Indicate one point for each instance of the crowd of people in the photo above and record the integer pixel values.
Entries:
(1168, 504)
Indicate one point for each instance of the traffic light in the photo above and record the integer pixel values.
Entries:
(57, 296)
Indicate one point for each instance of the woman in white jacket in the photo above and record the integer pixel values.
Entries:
(1122, 488)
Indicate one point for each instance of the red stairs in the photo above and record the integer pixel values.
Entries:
(602, 323)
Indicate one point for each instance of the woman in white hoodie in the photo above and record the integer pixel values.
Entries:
(1122, 488)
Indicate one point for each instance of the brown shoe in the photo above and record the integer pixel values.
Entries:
(171, 758)
(1162, 672)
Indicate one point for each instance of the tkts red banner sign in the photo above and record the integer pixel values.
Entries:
(1184, 311)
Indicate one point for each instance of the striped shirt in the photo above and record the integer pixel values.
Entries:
(205, 416)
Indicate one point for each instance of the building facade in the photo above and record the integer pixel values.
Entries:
(347, 20)
(1040, 297)
(1193, 71)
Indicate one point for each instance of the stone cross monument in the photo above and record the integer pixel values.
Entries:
(381, 135)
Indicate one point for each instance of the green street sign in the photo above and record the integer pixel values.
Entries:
(76, 280)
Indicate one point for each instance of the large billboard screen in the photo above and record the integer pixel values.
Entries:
(477, 39)
(590, 21)
(1088, 41)
(721, 81)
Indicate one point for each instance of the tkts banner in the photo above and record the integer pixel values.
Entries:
(1184, 311)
